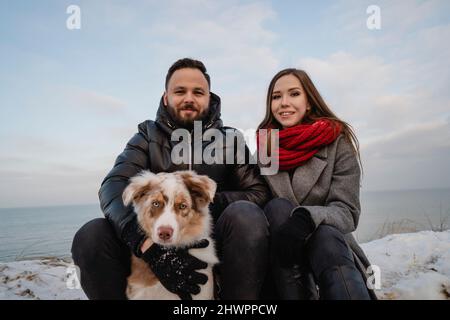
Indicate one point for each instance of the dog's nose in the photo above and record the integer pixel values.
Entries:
(165, 233)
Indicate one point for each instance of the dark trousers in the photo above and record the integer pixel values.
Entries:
(329, 264)
(241, 235)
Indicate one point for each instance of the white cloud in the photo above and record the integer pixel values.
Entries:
(401, 124)
(52, 179)
(399, 20)
(50, 187)
(229, 36)
(423, 140)
(349, 84)
(93, 101)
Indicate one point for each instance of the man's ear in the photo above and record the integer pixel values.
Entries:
(165, 99)
(202, 188)
(138, 187)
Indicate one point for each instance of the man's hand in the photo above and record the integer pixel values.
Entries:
(290, 238)
(176, 268)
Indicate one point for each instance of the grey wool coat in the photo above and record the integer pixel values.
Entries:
(328, 186)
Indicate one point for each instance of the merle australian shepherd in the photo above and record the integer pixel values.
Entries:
(172, 209)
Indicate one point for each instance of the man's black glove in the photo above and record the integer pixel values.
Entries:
(217, 206)
(290, 238)
(133, 236)
(175, 268)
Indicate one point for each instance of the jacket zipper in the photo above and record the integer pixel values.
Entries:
(191, 144)
(191, 151)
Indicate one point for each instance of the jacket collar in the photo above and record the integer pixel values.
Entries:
(304, 178)
(212, 120)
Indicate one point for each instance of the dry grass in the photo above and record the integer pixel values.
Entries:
(443, 223)
(392, 227)
(409, 225)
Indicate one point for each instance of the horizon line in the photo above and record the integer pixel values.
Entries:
(98, 203)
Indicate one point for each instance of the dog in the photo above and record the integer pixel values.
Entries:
(173, 210)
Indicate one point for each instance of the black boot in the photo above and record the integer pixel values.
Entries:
(294, 283)
(287, 283)
(342, 283)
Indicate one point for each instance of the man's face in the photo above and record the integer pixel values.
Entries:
(187, 96)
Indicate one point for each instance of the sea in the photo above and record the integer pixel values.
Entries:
(37, 232)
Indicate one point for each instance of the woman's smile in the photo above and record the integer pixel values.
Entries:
(286, 114)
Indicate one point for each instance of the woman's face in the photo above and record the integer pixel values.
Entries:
(289, 102)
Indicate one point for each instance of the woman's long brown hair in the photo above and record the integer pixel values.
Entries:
(318, 109)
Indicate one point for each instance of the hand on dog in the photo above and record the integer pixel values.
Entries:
(146, 244)
(176, 268)
(290, 238)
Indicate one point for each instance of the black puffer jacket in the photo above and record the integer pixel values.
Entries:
(150, 149)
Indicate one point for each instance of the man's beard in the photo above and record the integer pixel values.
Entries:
(186, 122)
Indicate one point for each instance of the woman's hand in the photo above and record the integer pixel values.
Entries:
(290, 238)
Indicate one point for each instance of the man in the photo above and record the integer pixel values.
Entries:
(102, 247)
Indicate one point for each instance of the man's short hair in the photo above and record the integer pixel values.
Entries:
(187, 63)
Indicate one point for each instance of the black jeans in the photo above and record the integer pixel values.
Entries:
(329, 261)
(241, 235)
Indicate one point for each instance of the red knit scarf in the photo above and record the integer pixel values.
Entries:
(300, 143)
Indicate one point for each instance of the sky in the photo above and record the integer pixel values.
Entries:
(70, 99)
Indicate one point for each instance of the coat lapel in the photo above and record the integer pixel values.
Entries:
(306, 176)
(280, 184)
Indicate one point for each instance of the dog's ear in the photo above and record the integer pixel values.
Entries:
(138, 186)
(202, 188)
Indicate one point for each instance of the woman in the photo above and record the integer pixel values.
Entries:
(317, 195)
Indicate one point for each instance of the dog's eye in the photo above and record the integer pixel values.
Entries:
(182, 206)
(155, 203)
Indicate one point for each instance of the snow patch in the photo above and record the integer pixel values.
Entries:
(413, 265)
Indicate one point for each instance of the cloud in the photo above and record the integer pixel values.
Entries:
(400, 120)
(93, 101)
(425, 140)
(349, 83)
(32, 155)
(399, 20)
(230, 36)
(35, 180)
(50, 187)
